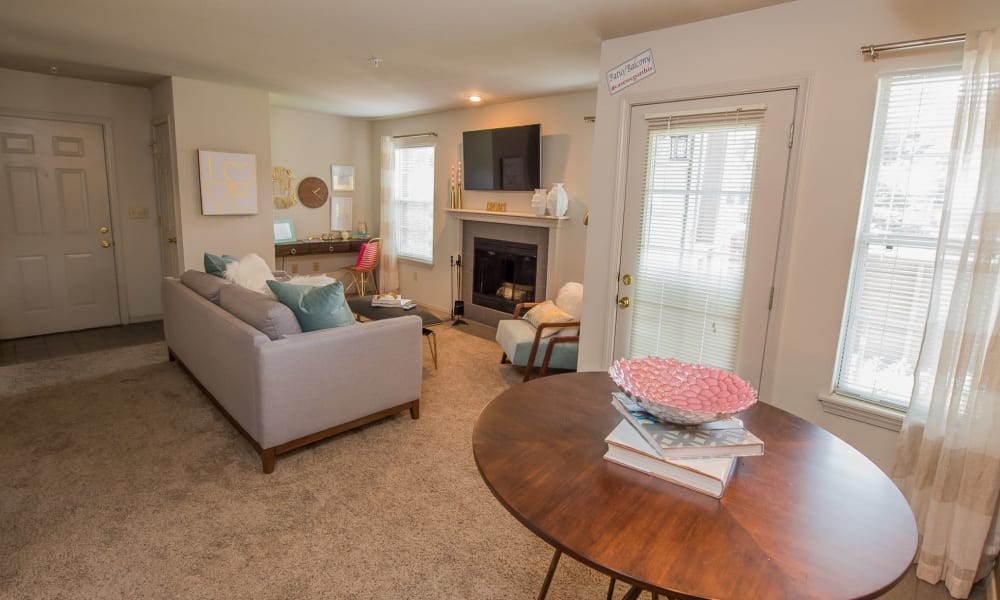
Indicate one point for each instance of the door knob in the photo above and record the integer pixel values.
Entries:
(105, 244)
(171, 240)
(627, 279)
(624, 302)
(104, 230)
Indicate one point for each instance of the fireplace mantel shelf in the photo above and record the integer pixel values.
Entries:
(510, 218)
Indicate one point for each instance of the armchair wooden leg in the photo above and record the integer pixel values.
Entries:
(531, 360)
(504, 360)
(545, 361)
(415, 409)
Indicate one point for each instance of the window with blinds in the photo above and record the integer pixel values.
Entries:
(897, 238)
(413, 194)
(699, 178)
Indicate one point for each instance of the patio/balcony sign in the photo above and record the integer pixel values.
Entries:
(631, 71)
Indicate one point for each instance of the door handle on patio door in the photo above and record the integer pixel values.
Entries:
(624, 302)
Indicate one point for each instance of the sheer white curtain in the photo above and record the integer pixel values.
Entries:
(388, 269)
(948, 456)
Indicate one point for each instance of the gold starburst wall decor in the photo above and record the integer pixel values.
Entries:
(281, 185)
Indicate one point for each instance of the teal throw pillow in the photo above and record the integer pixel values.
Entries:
(315, 307)
(216, 265)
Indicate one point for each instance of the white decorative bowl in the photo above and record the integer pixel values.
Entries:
(682, 393)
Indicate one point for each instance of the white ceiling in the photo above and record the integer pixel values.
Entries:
(315, 54)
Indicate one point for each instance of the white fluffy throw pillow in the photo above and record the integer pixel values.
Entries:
(250, 272)
(313, 280)
(570, 299)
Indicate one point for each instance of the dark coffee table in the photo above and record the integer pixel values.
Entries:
(812, 518)
(362, 306)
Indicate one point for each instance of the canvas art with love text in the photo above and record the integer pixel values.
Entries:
(228, 183)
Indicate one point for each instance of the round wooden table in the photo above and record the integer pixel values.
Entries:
(812, 518)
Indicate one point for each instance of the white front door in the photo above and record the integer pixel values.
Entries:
(57, 264)
(163, 157)
(704, 190)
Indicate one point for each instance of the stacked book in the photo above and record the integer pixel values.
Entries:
(700, 457)
(393, 301)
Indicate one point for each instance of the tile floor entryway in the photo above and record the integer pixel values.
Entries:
(54, 345)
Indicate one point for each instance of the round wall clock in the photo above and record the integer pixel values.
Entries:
(313, 192)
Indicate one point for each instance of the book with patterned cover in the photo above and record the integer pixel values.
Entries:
(727, 437)
(705, 475)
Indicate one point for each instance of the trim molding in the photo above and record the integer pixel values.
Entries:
(866, 412)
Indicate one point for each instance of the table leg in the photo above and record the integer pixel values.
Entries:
(632, 594)
(611, 589)
(548, 576)
(432, 344)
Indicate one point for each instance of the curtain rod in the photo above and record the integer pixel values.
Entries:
(873, 50)
(429, 133)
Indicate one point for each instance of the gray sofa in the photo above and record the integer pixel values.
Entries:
(280, 387)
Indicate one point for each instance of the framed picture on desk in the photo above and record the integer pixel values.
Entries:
(284, 231)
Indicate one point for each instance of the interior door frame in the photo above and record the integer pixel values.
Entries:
(117, 220)
(801, 83)
(175, 203)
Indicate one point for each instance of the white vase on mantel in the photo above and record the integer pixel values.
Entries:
(558, 201)
(538, 202)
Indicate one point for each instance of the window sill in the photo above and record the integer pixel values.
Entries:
(859, 410)
(416, 261)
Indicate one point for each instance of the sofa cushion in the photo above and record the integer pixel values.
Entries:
(216, 265)
(205, 285)
(261, 312)
(315, 307)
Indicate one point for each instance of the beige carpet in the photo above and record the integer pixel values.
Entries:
(120, 480)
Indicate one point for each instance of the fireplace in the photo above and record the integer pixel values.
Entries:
(504, 273)
(524, 235)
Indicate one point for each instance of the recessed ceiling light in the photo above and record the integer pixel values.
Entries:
(475, 98)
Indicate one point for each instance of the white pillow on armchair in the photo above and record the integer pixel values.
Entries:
(570, 299)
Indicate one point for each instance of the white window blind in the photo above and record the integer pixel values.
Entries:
(897, 238)
(413, 194)
(688, 295)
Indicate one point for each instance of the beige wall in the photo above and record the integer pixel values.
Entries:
(214, 116)
(566, 149)
(128, 108)
(309, 143)
(817, 39)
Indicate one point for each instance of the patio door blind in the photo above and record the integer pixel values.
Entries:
(699, 179)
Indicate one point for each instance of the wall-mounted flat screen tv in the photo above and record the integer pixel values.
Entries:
(502, 159)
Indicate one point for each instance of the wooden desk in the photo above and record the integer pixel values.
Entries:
(314, 256)
(812, 518)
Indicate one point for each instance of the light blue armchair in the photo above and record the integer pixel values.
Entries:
(549, 345)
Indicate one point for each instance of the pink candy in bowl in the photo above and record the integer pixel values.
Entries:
(682, 393)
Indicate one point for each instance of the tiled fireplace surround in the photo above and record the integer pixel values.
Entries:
(542, 232)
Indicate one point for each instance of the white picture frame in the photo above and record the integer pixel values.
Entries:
(342, 178)
(228, 183)
(340, 213)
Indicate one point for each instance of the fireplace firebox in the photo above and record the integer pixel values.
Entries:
(504, 273)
